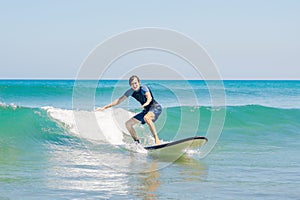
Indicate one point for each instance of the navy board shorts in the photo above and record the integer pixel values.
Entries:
(155, 108)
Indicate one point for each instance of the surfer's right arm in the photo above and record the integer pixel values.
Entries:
(114, 103)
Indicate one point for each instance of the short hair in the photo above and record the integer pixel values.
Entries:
(133, 77)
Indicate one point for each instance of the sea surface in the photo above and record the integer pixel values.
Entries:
(54, 146)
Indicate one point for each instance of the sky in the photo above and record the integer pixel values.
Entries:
(249, 39)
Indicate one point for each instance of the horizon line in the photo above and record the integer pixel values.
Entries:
(112, 79)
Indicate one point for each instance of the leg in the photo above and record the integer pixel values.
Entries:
(148, 119)
(129, 125)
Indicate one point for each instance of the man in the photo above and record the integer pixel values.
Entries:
(151, 109)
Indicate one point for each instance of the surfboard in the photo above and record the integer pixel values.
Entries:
(178, 146)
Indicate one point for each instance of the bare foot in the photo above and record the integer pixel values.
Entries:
(157, 141)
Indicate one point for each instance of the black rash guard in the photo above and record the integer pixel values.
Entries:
(140, 96)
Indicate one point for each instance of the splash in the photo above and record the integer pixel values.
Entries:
(110, 125)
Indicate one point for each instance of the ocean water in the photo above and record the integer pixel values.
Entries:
(53, 146)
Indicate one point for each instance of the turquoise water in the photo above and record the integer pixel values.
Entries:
(44, 155)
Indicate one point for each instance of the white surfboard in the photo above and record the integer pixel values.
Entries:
(177, 147)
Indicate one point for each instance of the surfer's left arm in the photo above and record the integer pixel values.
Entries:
(149, 99)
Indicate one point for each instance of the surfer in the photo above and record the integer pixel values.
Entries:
(151, 109)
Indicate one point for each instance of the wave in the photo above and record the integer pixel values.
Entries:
(25, 128)
(108, 125)
(262, 117)
(63, 126)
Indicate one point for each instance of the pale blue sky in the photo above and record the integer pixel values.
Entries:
(246, 39)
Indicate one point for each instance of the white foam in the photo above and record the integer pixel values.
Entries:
(2, 104)
(12, 105)
(105, 126)
(137, 148)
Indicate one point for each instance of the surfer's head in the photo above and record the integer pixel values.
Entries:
(134, 82)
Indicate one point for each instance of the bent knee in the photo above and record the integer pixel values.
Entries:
(148, 118)
(128, 123)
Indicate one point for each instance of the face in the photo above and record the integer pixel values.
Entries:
(135, 84)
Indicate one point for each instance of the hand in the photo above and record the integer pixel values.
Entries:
(100, 109)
